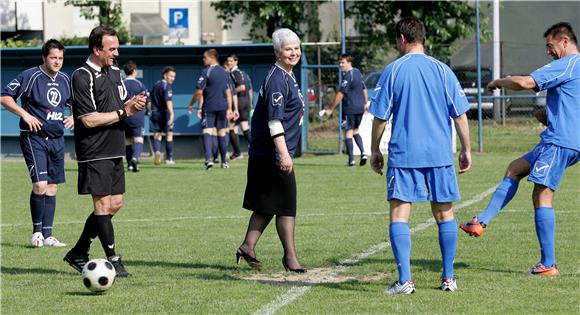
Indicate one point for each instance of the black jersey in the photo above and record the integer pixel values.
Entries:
(97, 89)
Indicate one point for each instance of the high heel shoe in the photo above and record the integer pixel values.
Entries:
(297, 270)
(251, 261)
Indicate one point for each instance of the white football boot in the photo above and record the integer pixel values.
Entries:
(37, 240)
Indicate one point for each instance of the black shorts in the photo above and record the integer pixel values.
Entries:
(351, 121)
(269, 190)
(102, 177)
(244, 113)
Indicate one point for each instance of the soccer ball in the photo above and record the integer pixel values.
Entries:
(98, 275)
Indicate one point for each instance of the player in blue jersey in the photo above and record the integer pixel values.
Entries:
(216, 108)
(354, 97)
(422, 96)
(276, 130)
(134, 131)
(44, 91)
(243, 91)
(559, 146)
(162, 115)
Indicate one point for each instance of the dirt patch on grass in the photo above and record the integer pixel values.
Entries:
(313, 276)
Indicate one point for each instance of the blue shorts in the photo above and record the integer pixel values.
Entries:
(158, 123)
(44, 157)
(548, 162)
(217, 120)
(438, 184)
(131, 132)
(351, 121)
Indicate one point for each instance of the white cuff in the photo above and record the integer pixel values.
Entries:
(276, 127)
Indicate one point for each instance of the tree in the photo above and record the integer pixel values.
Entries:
(264, 17)
(445, 22)
(108, 12)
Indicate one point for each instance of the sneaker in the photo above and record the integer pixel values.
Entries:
(170, 162)
(449, 284)
(130, 166)
(208, 165)
(119, 267)
(52, 241)
(216, 160)
(157, 159)
(397, 288)
(540, 270)
(225, 165)
(351, 163)
(473, 227)
(363, 160)
(136, 166)
(75, 260)
(235, 156)
(37, 240)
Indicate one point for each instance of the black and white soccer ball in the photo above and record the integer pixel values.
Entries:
(98, 275)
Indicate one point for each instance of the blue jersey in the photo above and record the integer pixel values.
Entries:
(135, 87)
(214, 83)
(353, 87)
(232, 86)
(42, 97)
(421, 94)
(562, 80)
(280, 99)
(248, 83)
(160, 94)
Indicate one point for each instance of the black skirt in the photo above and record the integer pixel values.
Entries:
(269, 190)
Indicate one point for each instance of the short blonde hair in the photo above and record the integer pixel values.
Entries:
(284, 36)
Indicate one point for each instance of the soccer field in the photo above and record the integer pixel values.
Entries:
(180, 228)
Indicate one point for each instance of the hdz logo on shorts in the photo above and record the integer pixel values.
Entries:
(53, 97)
(541, 168)
(277, 99)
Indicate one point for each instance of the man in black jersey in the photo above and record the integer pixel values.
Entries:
(99, 108)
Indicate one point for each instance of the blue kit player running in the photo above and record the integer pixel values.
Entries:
(354, 97)
(134, 131)
(422, 95)
(217, 106)
(162, 115)
(43, 91)
(559, 146)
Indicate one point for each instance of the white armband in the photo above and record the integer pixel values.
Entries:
(276, 128)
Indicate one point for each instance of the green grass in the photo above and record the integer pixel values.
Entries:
(178, 235)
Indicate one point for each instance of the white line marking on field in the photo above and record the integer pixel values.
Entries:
(295, 292)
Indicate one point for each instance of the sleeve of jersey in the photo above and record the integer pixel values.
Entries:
(82, 91)
(381, 103)
(275, 97)
(15, 88)
(457, 103)
(202, 81)
(168, 93)
(550, 75)
(238, 78)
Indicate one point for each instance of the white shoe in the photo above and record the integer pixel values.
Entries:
(449, 284)
(52, 241)
(37, 240)
(169, 162)
(397, 288)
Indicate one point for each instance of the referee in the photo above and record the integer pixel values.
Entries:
(98, 95)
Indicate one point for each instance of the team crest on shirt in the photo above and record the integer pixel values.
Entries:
(277, 99)
(13, 85)
(344, 83)
(53, 97)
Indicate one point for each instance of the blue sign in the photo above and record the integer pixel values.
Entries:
(178, 18)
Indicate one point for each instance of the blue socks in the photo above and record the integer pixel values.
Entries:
(359, 143)
(214, 146)
(169, 150)
(156, 145)
(37, 211)
(349, 149)
(448, 245)
(400, 237)
(223, 147)
(545, 230)
(207, 145)
(502, 195)
(48, 217)
(137, 150)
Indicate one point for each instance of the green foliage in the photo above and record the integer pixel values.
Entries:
(75, 41)
(108, 12)
(14, 42)
(264, 17)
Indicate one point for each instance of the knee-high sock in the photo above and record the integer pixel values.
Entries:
(545, 230)
(359, 143)
(89, 233)
(128, 152)
(48, 217)
(234, 141)
(36, 211)
(400, 237)
(208, 146)
(448, 245)
(156, 145)
(214, 146)
(248, 136)
(503, 194)
(223, 148)
(349, 149)
(169, 150)
(106, 234)
(137, 150)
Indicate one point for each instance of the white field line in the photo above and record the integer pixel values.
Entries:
(296, 292)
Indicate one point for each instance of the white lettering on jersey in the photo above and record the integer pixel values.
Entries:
(13, 85)
(277, 99)
(53, 97)
(54, 116)
(122, 92)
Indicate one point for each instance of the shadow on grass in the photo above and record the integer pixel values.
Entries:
(19, 271)
(19, 245)
(76, 293)
(434, 265)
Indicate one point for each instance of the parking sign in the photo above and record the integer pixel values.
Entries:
(178, 22)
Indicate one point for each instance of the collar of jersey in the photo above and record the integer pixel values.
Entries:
(92, 65)
(289, 73)
(48, 75)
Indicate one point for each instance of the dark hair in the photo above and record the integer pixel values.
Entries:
(346, 57)
(412, 29)
(167, 69)
(96, 37)
(559, 29)
(129, 67)
(234, 56)
(212, 52)
(51, 44)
